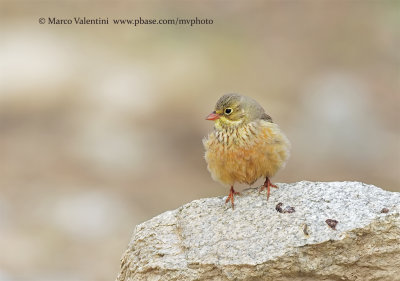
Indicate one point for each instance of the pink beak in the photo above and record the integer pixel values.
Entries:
(213, 116)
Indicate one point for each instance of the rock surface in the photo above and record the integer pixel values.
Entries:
(258, 240)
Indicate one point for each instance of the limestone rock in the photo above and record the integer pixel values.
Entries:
(321, 231)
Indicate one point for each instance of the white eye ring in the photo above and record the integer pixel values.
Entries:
(228, 111)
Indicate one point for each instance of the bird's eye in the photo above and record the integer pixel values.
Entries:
(228, 111)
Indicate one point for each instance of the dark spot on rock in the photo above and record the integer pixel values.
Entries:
(278, 207)
(332, 223)
(305, 230)
(289, 209)
(385, 210)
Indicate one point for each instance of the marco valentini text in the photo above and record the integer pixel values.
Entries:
(77, 20)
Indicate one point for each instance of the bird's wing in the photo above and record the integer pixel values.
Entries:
(266, 117)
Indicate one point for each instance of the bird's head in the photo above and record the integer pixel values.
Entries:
(234, 110)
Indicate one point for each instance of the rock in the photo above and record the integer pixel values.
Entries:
(337, 231)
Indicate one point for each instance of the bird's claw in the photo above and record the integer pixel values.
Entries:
(267, 184)
(231, 196)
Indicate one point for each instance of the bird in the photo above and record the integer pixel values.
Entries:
(244, 145)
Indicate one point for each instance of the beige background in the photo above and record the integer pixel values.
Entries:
(101, 126)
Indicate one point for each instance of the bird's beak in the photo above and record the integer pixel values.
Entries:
(213, 116)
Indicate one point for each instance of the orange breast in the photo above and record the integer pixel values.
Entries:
(245, 154)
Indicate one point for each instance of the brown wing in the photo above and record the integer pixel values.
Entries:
(266, 117)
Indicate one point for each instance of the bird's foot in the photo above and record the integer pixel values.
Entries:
(231, 195)
(267, 185)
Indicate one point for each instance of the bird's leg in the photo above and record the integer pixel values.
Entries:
(267, 184)
(232, 193)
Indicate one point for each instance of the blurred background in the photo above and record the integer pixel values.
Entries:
(101, 125)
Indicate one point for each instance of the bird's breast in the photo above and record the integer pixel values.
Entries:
(246, 153)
